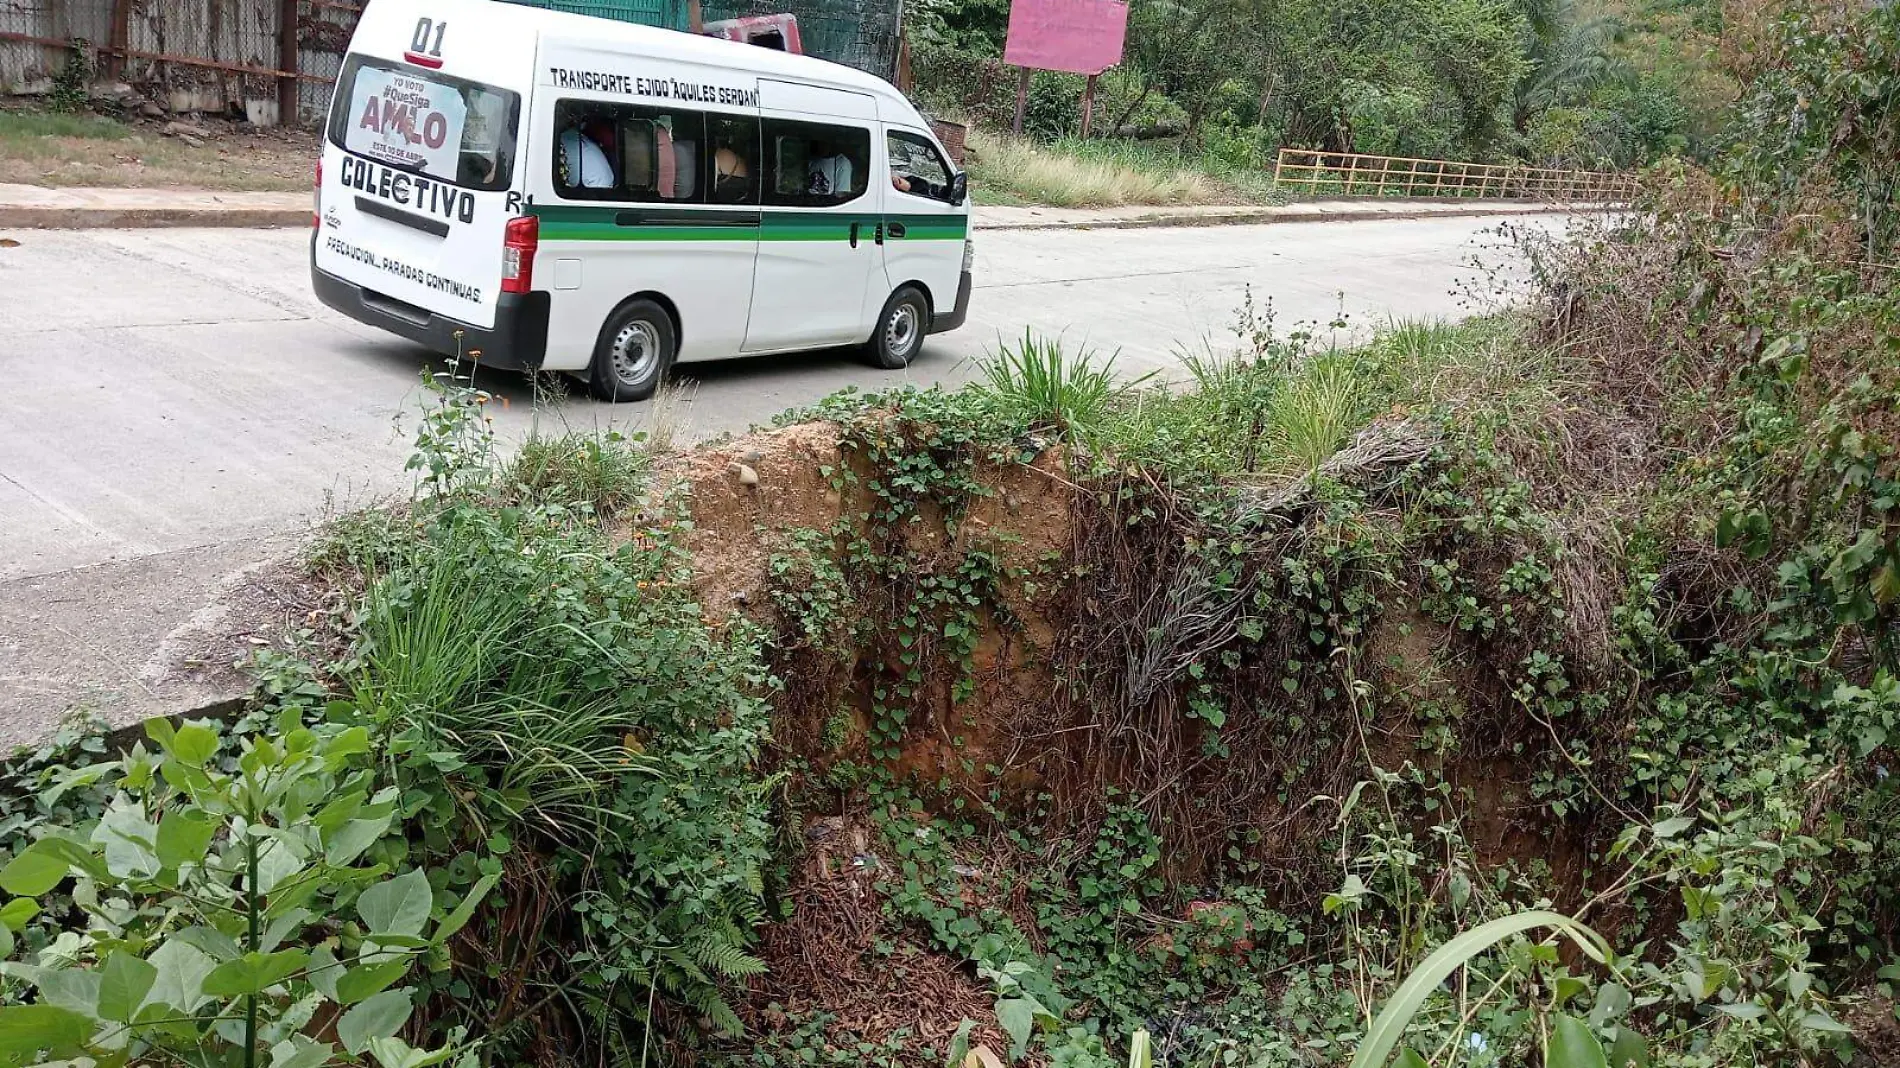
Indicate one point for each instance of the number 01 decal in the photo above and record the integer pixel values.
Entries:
(425, 48)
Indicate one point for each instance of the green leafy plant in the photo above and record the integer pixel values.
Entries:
(237, 904)
(72, 84)
(556, 706)
(1573, 1047)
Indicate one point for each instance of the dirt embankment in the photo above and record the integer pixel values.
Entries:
(1042, 700)
(750, 500)
(1026, 705)
(1102, 637)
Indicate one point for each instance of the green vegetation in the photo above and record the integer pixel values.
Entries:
(230, 894)
(1520, 691)
(1570, 1044)
(1037, 382)
(1083, 174)
(18, 125)
(530, 734)
(1213, 88)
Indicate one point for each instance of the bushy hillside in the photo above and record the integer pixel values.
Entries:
(1021, 721)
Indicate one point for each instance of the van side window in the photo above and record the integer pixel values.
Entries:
(733, 166)
(917, 167)
(629, 153)
(815, 165)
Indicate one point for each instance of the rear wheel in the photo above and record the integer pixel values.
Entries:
(636, 349)
(900, 329)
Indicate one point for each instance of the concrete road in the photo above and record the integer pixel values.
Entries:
(174, 403)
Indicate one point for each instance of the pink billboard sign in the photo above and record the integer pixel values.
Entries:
(1078, 36)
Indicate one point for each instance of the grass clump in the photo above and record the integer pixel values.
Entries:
(556, 710)
(1240, 171)
(601, 472)
(1039, 382)
(1273, 404)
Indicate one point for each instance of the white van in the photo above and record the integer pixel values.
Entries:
(540, 190)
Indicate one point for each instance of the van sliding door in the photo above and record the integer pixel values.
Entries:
(820, 229)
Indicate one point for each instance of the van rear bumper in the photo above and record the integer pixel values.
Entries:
(517, 341)
(940, 323)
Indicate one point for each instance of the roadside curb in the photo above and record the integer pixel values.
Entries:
(34, 217)
(1269, 216)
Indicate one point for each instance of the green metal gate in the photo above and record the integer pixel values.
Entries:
(857, 33)
(670, 14)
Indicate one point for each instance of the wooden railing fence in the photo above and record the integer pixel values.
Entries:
(1357, 174)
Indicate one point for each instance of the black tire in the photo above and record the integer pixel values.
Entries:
(901, 327)
(636, 349)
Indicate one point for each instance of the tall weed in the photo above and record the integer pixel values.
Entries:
(1040, 382)
(1316, 412)
(454, 655)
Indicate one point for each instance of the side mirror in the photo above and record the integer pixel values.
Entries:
(959, 188)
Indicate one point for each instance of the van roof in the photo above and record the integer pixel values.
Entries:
(715, 51)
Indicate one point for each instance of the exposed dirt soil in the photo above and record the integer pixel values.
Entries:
(737, 520)
(1040, 711)
(747, 496)
(1877, 1033)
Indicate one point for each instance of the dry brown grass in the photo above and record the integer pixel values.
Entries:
(1041, 176)
(46, 149)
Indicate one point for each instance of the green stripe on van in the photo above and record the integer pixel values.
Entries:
(600, 223)
(565, 222)
(932, 227)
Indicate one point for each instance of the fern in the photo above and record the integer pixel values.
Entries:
(712, 1006)
(723, 957)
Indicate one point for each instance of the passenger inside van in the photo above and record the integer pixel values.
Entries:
(584, 160)
(732, 180)
(735, 155)
(656, 162)
(916, 169)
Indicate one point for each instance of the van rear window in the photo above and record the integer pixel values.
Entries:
(426, 122)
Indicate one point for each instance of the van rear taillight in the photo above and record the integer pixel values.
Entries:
(316, 198)
(523, 237)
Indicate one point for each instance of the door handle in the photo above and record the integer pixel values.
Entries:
(897, 229)
(854, 235)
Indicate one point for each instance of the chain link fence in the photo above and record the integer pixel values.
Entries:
(858, 33)
(268, 60)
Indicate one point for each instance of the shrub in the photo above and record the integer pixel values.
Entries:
(231, 895)
(549, 693)
(526, 704)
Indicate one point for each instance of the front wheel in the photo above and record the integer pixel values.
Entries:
(900, 330)
(636, 349)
